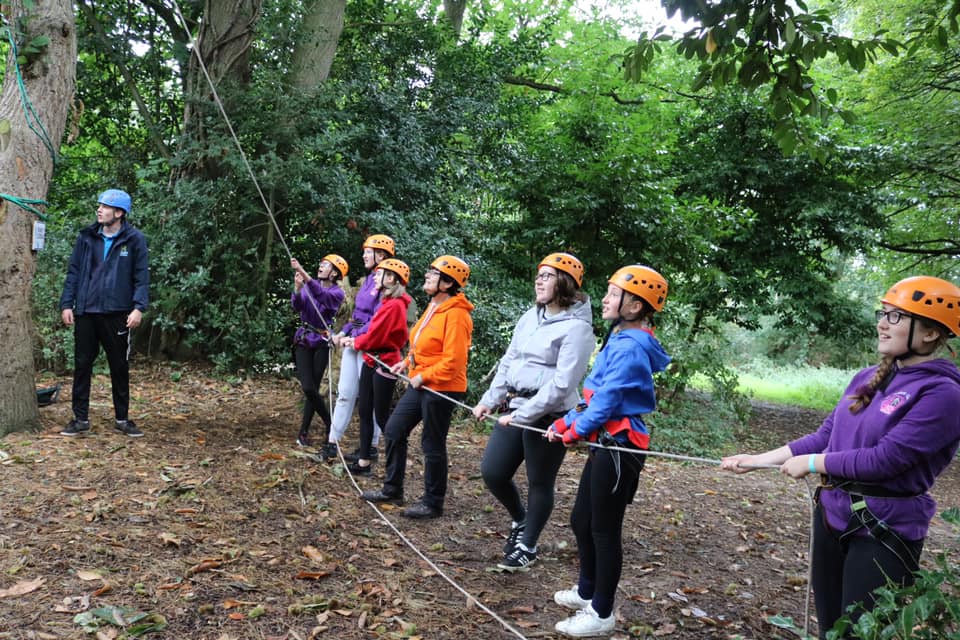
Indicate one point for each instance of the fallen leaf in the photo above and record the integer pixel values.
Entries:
(22, 587)
(521, 609)
(665, 630)
(89, 575)
(230, 603)
(169, 538)
(311, 575)
(206, 565)
(313, 553)
(236, 616)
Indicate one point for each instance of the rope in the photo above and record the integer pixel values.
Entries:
(273, 220)
(226, 119)
(597, 445)
(29, 113)
(660, 454)
(470, 598)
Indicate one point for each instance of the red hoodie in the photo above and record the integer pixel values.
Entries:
(387, 332)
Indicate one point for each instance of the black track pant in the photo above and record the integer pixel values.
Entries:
(90, 332)
(846, 572)
(597, 522)
(507, 448)
(311, 365)
(435, 412)
(375, 396)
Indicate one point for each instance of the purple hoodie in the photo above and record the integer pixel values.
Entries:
(325, 300)
(368, 299)
(902, 441)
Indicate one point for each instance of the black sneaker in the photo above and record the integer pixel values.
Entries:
(329, 451)
(303, 440)
(76, 428)
(355, 455)
(358, 470)
(516, 532)
(520, 559)
(421, 511)
(379, 496)
(128, 428)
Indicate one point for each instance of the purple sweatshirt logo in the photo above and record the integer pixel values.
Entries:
(891, 402)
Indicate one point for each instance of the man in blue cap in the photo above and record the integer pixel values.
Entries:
(104, 297)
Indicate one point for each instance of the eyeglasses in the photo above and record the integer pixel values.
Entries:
(893, 316)
(545, 276)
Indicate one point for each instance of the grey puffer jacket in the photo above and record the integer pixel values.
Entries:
(544, 364)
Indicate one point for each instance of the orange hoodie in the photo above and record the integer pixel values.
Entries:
(439, 347)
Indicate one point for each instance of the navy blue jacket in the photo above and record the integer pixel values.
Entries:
(125, 275)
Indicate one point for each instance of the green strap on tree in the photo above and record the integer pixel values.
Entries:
(30, 114)
(26, 203)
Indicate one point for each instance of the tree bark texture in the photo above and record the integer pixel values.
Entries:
(226, 32)
(317, 46)
(454, 10)
(26, 166)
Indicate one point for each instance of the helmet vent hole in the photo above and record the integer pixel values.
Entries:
(918, 296)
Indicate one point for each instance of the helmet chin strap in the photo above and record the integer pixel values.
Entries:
(910, 352)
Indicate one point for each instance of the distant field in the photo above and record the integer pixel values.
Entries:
(809, 387)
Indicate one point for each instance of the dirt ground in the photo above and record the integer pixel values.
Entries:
(215, 526)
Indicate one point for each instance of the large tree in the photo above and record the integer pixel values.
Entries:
(34, 102)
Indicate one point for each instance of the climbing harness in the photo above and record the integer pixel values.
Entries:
(862, 518)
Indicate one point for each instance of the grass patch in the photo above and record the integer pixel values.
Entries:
(800, 386)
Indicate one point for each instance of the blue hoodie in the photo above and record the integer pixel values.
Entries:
(621, 383)
(902, 441)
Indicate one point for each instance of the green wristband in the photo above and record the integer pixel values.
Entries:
(810, 463)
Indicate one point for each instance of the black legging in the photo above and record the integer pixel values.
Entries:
(311, 365)
(506, 449)
(597, 522)
(375, 393)
(846, 572)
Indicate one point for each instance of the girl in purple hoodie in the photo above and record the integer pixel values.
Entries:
(317, 300)
(895, 430)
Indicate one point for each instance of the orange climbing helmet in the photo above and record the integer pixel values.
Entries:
(398, 267)
(339, 263)
(643, 282)
(453, 267)
(566, 263)
(930, 298)
(381, 242)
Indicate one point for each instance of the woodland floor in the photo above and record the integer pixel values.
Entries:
(217, 526)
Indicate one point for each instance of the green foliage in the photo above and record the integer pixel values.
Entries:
(693, 425)
(776, 45)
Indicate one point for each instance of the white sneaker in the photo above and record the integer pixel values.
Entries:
(570, 599)
(586, 623)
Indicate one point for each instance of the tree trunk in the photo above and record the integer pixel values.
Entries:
(315, 49)
(226, 32)
(26, 166)
(454, 10)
